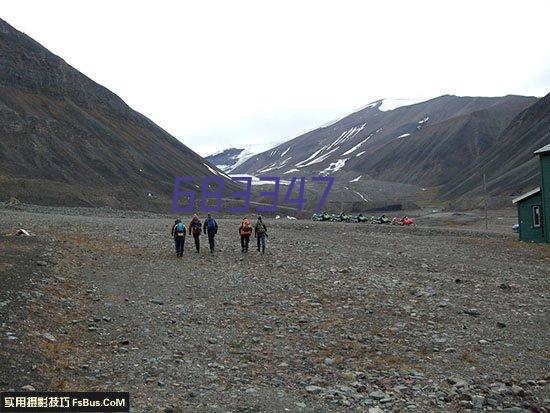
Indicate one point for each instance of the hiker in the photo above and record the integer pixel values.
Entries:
(260, 232)
(210, 228)
(178, 233)
(195, 230)
(245, 231)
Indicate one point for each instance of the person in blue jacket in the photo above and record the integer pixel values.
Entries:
(211, 229)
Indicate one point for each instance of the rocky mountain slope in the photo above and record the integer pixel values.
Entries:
(66, 140)
(509, 165)
(428, 144)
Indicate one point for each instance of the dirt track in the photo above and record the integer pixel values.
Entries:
(334, 317)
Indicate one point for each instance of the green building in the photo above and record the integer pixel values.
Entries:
(534, 206)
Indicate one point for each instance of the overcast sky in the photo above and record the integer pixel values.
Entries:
(217, 74)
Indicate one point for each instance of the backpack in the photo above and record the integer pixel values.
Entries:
(180, 230)
(261, 229)
(196, 226)
(211, 225)
(246, 228)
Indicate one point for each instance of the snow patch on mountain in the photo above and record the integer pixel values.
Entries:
(356, 179)
(216, 172)
(256, 180)
(299, 164)
(269, 168)
(291, 171)
(248, 152)
(334, 166)
(319, 159)
(357, 146)
(350, 133)
(210, 169)
(361, 196)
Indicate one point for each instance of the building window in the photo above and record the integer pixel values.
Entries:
(536, 216)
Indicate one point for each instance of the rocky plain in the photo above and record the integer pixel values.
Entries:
(335, 317)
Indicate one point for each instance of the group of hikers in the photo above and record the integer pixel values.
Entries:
(210, 228)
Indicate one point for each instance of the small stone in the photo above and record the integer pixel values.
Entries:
(28, 387)
(457, 381)
(41, 263)
(517, 390)
(314, 389)
(158, 301)
(375, 410)
(49, 337)
(478, 401)
(491, 402)
(328, 361)
(472, 311)
(378, 395)
(500, 324)
(212, 340)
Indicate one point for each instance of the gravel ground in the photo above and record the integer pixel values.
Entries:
(334, 317)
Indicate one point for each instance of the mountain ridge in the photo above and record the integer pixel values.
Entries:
(66, 140)
(426, 144)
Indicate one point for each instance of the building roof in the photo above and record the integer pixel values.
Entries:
(544, 149)
(526, 195)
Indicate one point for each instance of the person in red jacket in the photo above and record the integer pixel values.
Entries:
(245, 231)
(195, 229)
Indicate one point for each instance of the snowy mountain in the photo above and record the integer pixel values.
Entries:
(229, 159)
(426, 144)
(226, 159)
